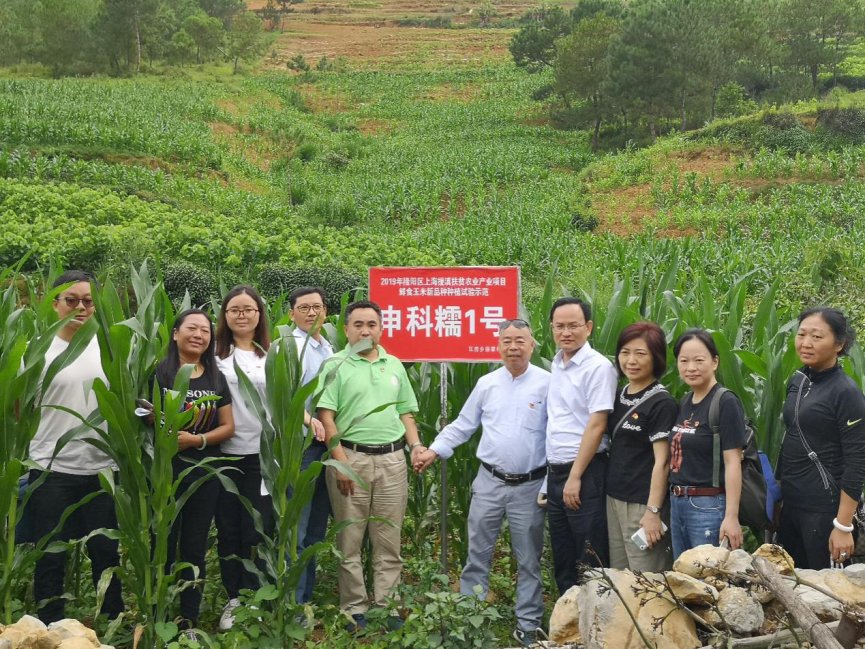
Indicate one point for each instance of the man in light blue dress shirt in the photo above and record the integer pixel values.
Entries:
(308, 312)
(510, 405)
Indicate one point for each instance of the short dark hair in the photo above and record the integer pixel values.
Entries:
(224, 335)
(361, 304)
(655, 341)
(565, 301)
(73, 277)
(844, 334)
(306, 290)
(696, 334)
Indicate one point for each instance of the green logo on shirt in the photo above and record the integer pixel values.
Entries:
(853, 423)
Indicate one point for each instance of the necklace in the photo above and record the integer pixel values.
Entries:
(625, 401)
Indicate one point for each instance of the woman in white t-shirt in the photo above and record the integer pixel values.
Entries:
(242, 337)
(73, 473)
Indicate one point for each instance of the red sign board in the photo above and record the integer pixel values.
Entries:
(444, 314)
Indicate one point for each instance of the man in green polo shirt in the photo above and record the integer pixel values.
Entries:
(373, 447)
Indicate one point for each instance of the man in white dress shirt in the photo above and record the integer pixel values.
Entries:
(308, 312)
(581, 396)
(509, 404)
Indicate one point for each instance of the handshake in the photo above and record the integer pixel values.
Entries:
(421, 460)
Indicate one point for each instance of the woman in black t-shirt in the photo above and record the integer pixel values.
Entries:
(824, 414)
(705, 479)
(643, 414)
(192, 343)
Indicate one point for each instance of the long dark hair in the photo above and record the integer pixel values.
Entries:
(167, 370)
(224, 335)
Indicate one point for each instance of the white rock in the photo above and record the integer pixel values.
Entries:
(702, 561)
(739, 561)
(73, 629)
(565, 620)
(605, 624)
(690, 590)
(823, 606)
(76, 643)
(856, 574)
(742, 612)
(777, 556)
(30, 623)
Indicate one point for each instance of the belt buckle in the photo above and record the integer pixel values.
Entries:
(678, 490)
(511, 478)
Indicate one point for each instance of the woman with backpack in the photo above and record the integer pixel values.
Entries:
(822, 463)
(705, 473)
(639, 427)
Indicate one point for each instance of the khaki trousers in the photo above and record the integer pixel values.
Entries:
(387, 481)
(623, 519)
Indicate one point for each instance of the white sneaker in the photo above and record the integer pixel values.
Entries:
(227, 619)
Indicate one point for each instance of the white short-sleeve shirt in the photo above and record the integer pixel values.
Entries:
(72, 388)
(584, 385)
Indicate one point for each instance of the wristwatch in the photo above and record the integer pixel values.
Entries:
(654, 510)
(411, 446)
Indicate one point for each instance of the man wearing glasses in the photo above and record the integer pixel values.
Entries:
(510, 406)
(308, 312)
(581, 396)
(74, 473)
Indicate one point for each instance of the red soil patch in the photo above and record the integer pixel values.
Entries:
(375, 126)
(711, 162)
(377, 43)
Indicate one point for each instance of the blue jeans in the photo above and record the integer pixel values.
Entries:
(313, 521)
(696, 520)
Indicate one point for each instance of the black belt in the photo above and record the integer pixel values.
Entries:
(566, 467)
(374, 449)
(515, 478)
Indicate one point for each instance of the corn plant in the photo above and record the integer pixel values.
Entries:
(145, 491)
(283, 444)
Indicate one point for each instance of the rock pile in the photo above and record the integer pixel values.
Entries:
(709, 591)
(30, 633)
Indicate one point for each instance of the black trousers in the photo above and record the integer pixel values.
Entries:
(805, 536)
(190, 532)
(235, 531)
(572, 529)
(46, 505)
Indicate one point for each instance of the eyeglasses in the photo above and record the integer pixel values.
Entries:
(306, 308)
(73, 302)
(235, 313)
(571, 326)
(516, 322)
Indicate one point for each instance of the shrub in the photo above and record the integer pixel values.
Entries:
(276, 279)
(298, 64)
(336, 159)
(848, 123)
(306, 152)
(782, 120)
(181, 276)
(733, 102)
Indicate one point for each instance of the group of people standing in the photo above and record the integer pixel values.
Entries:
(626, 476)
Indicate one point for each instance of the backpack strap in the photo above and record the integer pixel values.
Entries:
(715, 425)
(646, 399)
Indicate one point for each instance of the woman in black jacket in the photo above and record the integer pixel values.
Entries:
(822, 464)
